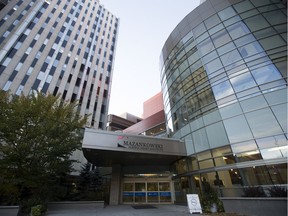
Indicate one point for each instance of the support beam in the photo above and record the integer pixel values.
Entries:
(115, 185)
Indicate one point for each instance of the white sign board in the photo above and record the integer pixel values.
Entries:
(194, 204)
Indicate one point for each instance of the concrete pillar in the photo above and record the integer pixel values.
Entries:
(115, 184)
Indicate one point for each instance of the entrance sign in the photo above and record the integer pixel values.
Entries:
(120, 142)
(194, 204)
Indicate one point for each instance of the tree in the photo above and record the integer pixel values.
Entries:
(38, 134)
(90, 185)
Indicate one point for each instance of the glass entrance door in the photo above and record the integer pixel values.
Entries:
(140, 192)
(147, 192)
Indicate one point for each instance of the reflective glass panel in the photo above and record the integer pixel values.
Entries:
(212, 21)
(243, 6)
(273, 141)
(198, 30)
(230, 57)
(189, 145)
(244, 40)
(253, 103)
(266, 74)
(248, 146)
(237, 129)
(230, 110)
(205, 47)
(238, 30)
(276, 97)
(272, 42)
(222, 90)
(220, 38)
(271, 153)
(213, 66)
(263, 123)
(226, 48)
(256, 23)
(226, 13)
(200, 139)
(250, 49)
(216, 135)
(242, 82)
(280, 112)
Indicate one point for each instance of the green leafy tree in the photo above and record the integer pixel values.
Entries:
(38, 134)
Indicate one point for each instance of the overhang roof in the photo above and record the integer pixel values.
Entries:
(105, 148)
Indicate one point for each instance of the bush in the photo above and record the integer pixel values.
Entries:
(36, 210)
(277, 191)
(254, 192)
(209, 198)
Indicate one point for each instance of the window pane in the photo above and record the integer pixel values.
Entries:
(139, 186)
(280, 112)
(226, 48)
(237, 129)
(244, 40)
(238, 30)
(271, 153)
(128, 187)
(212, 21)
(272, 42)
(253, 103)
(205, 47)
(206, 164)
(250, 49)
(153, 186)
(222, 90)
(230, 57)
(276, 97)
(230, 111)
(243, 6)
(263, 123)
(242, 82)
(200, 139)
(266, 74)
(248, 146)
(213, 66)
(198, 30)
(164, 186)
(220, 38)
(256, 23)
(226, 13)
(216, 135)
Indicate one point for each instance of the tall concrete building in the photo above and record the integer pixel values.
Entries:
(59, 47)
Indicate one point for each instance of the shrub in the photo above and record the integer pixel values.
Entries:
(254, 192)
(36, 210)
(277, 191)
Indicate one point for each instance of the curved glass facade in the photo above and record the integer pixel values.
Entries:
(224, 83)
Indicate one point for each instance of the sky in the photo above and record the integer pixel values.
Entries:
(144, 27)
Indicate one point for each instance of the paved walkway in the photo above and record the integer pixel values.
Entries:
(123, 210)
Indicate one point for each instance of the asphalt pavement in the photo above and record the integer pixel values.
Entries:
(123, 210)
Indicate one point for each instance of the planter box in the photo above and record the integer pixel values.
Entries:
(75, 205)
(265, 206)
(9, 210)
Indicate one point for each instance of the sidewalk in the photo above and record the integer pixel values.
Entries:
(123, 210)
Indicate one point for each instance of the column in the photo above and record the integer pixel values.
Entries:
(115, 185)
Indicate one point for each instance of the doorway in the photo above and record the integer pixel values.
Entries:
(147, 191)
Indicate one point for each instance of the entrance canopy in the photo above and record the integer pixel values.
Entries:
(105, 148)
